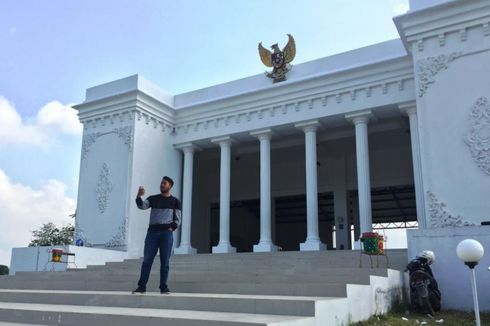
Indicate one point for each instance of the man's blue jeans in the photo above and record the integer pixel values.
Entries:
(156, 240)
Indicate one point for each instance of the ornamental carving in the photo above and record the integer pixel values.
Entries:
(104, 188)
(124, 133)
(80, 235)
(478, 137)
(428, 68)
(440, 217)
(119, 239)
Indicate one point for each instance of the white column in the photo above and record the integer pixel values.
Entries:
(224, 245)
(410, 109)
(185, 246)
(312, 238)
(360, 121)
(265, 244)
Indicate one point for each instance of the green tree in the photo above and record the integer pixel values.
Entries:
(4, 270)
(51, 235)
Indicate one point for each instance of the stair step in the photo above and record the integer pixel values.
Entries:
(262, 288)
(82, 315)
(328, 275)
(15, 324)
(261, 304)
(285, 288)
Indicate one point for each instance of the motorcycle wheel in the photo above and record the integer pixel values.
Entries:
(425, 304)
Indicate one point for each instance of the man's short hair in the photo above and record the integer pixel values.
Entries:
(169, 180)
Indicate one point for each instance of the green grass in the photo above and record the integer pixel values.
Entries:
(449, 318)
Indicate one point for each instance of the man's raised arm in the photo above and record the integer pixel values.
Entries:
(142, 204)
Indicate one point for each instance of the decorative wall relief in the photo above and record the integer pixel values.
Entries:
(478, 137)
(428, 68)
(118, 239)
(440, 217)
(80, 235)
(124, 133)
(103, 188)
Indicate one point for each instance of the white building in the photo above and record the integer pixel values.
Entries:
(394, 132)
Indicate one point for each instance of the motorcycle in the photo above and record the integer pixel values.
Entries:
(423, 296)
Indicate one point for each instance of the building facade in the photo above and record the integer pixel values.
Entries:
(397, 132)
(403, 116)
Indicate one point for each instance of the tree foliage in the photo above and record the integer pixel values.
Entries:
(51, 235)
(4, 270)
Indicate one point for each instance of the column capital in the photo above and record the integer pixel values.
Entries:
(408, 108)
(262, 133)
(223, 141)
(308, 126)
(187, 147)
(361, 117)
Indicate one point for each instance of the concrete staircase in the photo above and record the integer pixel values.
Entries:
(284, 288)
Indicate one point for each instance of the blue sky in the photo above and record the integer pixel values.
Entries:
(51, 51)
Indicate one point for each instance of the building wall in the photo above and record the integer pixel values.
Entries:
(103, 187)
(39, 259)
(451, 274)
(154, 157)
(127, 142)
(450, 46)
(447, 124)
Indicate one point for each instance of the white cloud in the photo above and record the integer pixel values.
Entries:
(52, 120)
(23, 209)
(399, 7)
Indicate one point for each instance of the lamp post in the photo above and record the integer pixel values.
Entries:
(470, 252)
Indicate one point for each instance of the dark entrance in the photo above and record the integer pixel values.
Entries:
(289, 229)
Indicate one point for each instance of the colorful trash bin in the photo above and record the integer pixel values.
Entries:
(56, 255)
(372, 243)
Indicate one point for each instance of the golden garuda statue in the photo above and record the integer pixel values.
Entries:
(278, 59)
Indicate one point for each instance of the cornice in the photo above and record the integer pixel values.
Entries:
(98, 108)
(126, 107)
(117, 105)
(340, 93)
(442, 21)
(348, 89)
(341, 82)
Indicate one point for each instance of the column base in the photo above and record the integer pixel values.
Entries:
(265, 247)
(312, 245)
(185, 250)
(223, 248)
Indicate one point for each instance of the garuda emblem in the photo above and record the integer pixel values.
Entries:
(278, 59)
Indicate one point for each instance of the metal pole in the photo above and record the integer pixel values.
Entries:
(37, 259)
(475, 297)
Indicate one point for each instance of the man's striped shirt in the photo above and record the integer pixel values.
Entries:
(165, 211)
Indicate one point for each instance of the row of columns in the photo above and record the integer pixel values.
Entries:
(360, 121)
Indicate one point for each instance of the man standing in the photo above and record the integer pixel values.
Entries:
(164, 219)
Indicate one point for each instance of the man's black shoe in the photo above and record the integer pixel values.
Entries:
(139, 290)
(164, 291)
